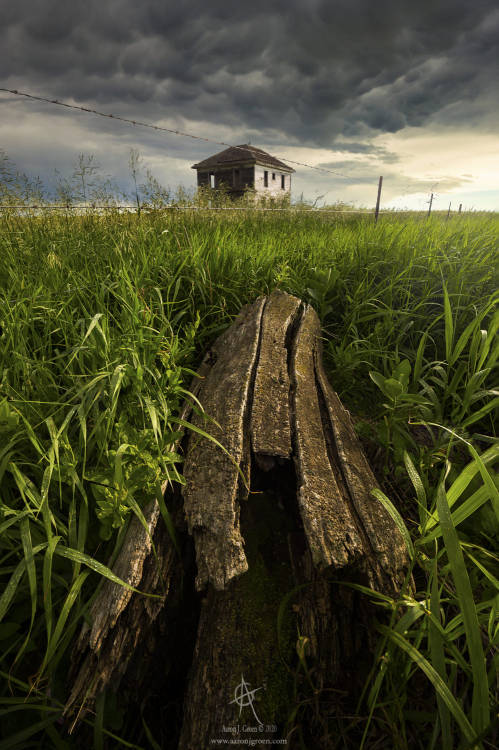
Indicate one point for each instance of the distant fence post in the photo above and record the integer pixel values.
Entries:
(448, 212)
(378, 199)
(460, 207)
(429, 207)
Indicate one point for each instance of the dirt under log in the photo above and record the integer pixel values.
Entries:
(266, 528)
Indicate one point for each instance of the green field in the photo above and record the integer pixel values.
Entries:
(102, 320)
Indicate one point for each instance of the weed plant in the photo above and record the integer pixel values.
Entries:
(103, 319)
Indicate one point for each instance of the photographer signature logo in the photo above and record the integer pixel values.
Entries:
(244, 697)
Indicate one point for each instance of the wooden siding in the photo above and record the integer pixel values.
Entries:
(273, 188)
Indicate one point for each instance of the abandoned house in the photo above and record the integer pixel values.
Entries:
(242, 168)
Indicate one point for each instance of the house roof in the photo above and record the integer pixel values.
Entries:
(239, 154)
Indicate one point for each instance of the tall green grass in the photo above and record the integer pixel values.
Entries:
(104, 317)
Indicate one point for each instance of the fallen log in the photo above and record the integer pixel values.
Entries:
(276, 510)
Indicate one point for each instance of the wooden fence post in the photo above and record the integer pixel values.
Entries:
(378, 199)
(460, 207)
(429, 207)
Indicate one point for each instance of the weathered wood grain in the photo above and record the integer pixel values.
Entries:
(308, 518)
(212, 475)
(101, 661)
(332, 533)
(270, 419)
(385, 552)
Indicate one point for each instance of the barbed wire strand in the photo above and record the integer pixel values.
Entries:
(159, 127)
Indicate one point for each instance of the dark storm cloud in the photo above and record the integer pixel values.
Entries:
(307, 70)
(363, 148)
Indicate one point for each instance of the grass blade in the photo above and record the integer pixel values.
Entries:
(465, 510)
(80, 557)
(47, 582)
(449, 326)
(480, 702)
(441, 688)
(418, 487)
(15, 519)
(494, 581)
(63, 616)
(29, 558)
(11, 588)
(418, 363)
(392, 510)
(479, 464)
(438, 658)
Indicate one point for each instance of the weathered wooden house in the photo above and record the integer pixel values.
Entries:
(239, 169)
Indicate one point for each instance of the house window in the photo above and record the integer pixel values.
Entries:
(273, 175)
(212, 180)
(236, 178)
(265, 179)
(283, 182)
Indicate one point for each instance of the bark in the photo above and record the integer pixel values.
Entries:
(212, 476)
(279, 511)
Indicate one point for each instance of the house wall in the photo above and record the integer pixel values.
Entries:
(248, 177)
(274, 189)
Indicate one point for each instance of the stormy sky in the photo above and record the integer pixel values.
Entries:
(398, 88)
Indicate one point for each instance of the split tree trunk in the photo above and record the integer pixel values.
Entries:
(275, 520)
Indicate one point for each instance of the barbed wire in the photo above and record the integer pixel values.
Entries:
(159, 127)
(149, 208)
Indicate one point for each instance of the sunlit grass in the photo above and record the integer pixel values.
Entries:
(102, 319)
